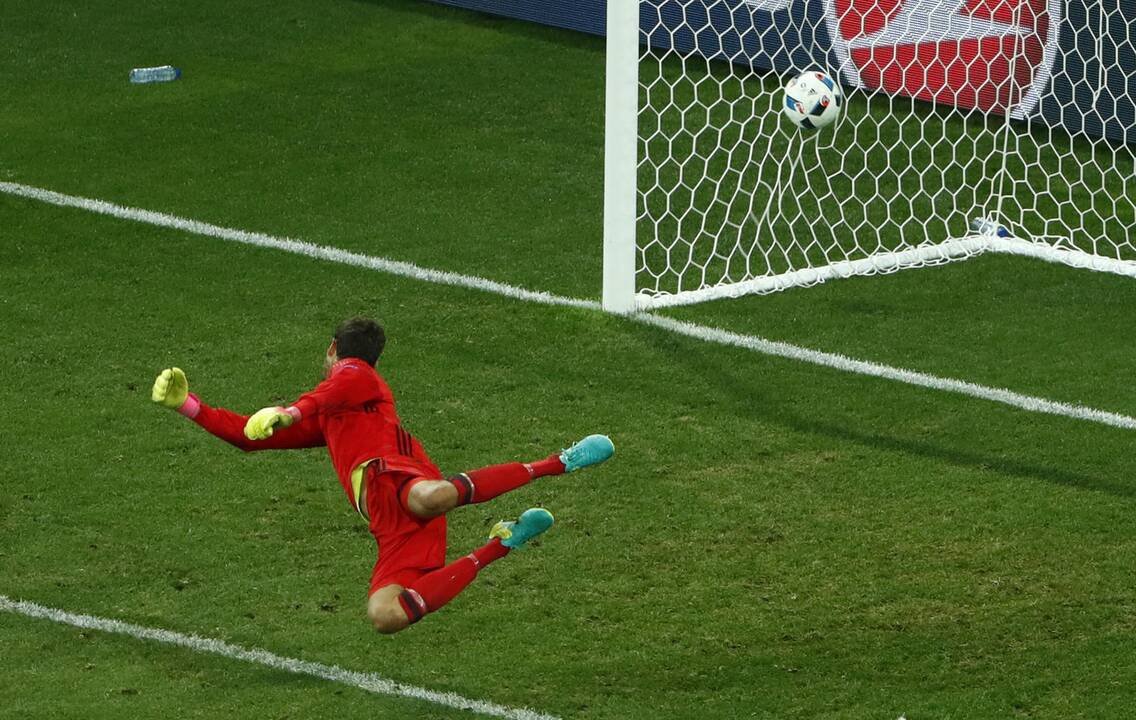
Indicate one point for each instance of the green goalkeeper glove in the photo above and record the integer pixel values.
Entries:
(170, 388)
(264, 422)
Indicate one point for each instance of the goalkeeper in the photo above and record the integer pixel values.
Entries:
(388, 478)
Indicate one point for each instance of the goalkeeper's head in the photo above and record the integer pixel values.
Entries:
(356, 337)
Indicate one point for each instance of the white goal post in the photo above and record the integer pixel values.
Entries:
(970, 126)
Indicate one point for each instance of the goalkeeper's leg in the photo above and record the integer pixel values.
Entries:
(393, 607)
(430, 498)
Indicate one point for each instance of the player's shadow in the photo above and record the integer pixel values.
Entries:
(749, 397)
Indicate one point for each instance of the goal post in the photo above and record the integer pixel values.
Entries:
(970, 126)
(620, 154)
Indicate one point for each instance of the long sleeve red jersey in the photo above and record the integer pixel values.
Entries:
(352, 412)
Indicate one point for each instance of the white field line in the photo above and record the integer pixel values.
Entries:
(910, 377)
(369, 682)
(299, 247)
(700, 332)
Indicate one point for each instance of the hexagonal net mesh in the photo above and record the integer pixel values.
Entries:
(940, 151)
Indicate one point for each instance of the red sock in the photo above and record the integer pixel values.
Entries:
(551, 465)
(490, 551)
(478, 486)
(433, 590)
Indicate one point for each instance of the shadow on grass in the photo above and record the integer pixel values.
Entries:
(428, 9)
(750, 398)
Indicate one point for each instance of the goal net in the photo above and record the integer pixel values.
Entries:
(968, 126)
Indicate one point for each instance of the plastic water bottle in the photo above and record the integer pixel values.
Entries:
(986, 226)
(165, 73)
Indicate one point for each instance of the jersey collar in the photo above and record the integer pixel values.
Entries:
(346, 363)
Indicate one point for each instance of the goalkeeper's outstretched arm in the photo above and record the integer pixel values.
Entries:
(171, 390)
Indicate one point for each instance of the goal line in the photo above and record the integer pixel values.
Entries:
(700, 332)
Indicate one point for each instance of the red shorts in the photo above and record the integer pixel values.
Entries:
(409, 547)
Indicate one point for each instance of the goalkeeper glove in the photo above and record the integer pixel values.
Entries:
(264, 422)
(171, 389)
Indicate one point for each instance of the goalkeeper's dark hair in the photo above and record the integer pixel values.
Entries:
(360, 337)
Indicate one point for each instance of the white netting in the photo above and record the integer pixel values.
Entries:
(732, 199)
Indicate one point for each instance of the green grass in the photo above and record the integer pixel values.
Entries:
(377, 127)
(772, 540)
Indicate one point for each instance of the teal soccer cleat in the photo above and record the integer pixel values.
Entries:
(592, 450)
(515, 534)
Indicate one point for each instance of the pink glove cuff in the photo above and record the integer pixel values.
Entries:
(190, 407)
(294, 412)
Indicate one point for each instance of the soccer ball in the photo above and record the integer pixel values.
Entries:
(812, 100)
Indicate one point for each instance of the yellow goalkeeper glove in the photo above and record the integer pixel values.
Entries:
(264, 422)
(170, 388)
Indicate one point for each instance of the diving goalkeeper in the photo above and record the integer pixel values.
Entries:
(388, 478)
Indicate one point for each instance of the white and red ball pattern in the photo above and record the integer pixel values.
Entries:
(812, 100)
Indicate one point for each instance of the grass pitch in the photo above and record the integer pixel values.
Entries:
(772, 540)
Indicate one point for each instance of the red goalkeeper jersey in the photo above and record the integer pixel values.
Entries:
(352, 412)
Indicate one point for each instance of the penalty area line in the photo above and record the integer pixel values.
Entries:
(369, 682)
(691, 330)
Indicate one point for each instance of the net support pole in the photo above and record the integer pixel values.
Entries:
(620, 147)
